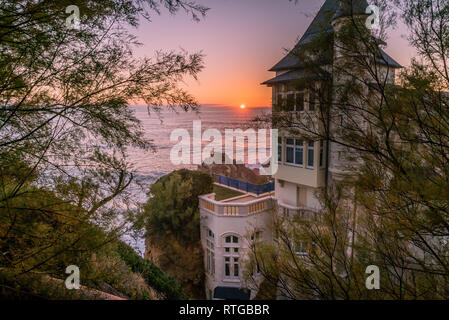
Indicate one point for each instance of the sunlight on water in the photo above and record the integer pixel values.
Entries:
(150, 166)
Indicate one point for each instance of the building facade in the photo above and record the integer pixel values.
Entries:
(305, 164)
(227, 229)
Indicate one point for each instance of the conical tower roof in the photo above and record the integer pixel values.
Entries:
(330, 10)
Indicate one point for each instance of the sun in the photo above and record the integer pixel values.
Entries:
(242, 106)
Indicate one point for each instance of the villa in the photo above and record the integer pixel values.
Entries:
(305, 166)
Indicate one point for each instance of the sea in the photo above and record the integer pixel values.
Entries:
(149, 166)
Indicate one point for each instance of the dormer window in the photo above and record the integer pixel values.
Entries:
(300, 101)
(312, 100)
(290, 102)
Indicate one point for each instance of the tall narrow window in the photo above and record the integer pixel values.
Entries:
(312, 100)
(300, 101)
(294, 152)
(290, 102)
(210, 252)
(279, 149)
(279, 102)
(236, 267)
(311, 155)
(321, 153)
(227, 266)
(299, 152)
(290, 151)
(231, 258)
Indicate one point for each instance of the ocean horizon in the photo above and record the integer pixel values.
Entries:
(149, 166)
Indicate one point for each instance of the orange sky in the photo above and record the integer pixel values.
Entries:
(241, 40)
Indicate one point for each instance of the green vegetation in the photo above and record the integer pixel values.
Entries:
(392, 210)
(223, 193)
(154, 277)
(65, 127)
(172, 220)
(109, 265)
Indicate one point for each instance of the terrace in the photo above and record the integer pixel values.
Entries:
(233, 201)
(230, 198)
(243, 205)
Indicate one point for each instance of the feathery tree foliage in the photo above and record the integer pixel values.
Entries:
(171, 218)
(392, 207)
(65, 124)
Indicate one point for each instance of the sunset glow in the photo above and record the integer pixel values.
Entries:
(233, 67)
(242, 106)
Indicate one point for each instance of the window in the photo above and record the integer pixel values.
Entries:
(232, 267)
(227, 267)
(300, 248)
(300, 101)
(231, 257)
(291, 87)
(256, 235)
(312, 100)
(290, 154)
(210, 252)
(279, 102)
(236, 267)
(290, 102)
(299, 152)
(321, 153)
(295, 152)
(279, 149)
(311, 154)
(232, 239)
(283, 88)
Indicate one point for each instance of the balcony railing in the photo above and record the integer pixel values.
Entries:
(234, 207)
(288, 210)
(208, 203)
(257, 189)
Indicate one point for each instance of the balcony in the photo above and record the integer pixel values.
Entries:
(287, 210)
(244, 205)
(249, 204)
